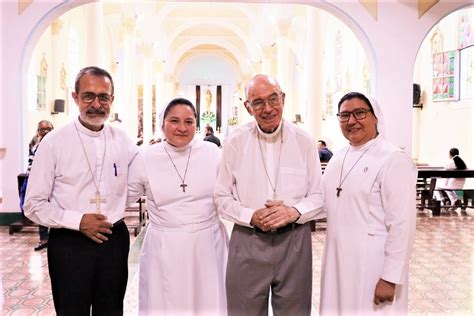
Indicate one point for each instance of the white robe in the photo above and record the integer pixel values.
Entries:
(60, 186)
(243, 184)
(184, 255)
(370, 229)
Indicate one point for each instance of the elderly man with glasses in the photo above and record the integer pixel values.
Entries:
(269, 186)
(369, 191)
(78, 188)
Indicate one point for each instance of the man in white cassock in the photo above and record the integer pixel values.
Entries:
(78, 187)
(184, 254)
(369, 189)
(269, 186)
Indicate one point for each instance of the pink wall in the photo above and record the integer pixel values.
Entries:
(391, 43)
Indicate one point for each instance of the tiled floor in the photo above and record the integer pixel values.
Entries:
(441, 275)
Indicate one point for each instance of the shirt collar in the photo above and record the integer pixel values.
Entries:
(84, 130)
(272, 135)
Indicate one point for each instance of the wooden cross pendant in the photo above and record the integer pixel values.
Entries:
(97, 200)
(184, 185)
(339, 189)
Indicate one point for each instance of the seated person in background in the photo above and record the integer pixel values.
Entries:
(210, 137)
(324, 153)
(455, 163)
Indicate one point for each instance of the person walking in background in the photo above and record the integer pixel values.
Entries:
(369, 189)
(184, 255)
(210, 137)
(78, 188)
(324, 153)
(44, 127)
(269, 186)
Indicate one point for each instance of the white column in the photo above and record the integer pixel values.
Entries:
(95, 34)
(283, 65)
(56, 58)
(147, 91)
(314, 78)
(267, 59)
(161, 101)
(128, 107)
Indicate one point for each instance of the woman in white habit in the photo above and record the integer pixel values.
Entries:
(184, 254)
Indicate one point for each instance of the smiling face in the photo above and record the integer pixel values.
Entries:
(179, 125)
(358, 132)
(94, 100)
(265, 93)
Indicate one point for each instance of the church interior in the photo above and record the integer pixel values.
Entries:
(416, 58)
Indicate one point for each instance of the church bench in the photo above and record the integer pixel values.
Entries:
(426, 186)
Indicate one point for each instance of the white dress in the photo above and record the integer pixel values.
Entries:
(184, 255)
(370, 229)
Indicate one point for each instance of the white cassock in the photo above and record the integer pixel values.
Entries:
(370, 229)
(184, 255)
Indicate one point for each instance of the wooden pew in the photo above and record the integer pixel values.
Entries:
(426, 186)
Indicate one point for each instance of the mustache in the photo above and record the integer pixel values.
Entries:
(95, 111)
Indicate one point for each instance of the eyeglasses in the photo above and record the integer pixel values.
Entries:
(45, 129)
(359, 114)
(89, 97)
(273, 100)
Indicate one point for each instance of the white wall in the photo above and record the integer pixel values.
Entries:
(442, 125)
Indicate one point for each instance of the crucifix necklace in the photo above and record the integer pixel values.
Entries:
(265, 166)
(341, 180)
(182, 185)
(96, 200)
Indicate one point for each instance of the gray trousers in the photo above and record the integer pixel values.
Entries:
(259, 263)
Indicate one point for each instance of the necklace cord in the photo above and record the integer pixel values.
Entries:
(341, 180)
(265, 165)
(96, 184)
(175, 168)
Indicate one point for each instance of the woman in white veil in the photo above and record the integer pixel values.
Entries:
(369, 191)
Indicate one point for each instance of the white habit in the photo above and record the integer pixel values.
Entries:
(370, 229)
(60, 186)
(184, 255)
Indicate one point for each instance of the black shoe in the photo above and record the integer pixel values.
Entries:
(41, 246)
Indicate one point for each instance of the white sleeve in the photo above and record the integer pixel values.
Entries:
(398, 192)
(312, 205)
(39, 190)
(137, 179)
(225, 194)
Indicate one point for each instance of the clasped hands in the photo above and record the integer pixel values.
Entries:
(274, 215)
(96, 227)
(384, 292)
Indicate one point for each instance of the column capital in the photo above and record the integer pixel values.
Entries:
(57, 26)
(129, 24)
(283, 25)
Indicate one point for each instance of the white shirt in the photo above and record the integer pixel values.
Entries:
(243, 185)
(61, 188)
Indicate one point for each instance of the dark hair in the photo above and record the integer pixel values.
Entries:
(356, 95)
(460, 164)
(210, 129)
(179, 101)
(94, 71)
(322, 142)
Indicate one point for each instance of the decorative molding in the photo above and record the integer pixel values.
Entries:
(23, 5)
(424, 6)
(371, 6)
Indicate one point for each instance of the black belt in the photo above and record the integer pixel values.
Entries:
(278, 231)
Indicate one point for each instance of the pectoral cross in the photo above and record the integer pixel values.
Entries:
(184, 185)
(339, 189)
(97, 200)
